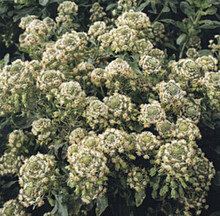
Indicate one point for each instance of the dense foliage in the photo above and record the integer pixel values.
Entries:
(109, 107)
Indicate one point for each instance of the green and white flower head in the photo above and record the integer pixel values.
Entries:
(114, 142)
(165, 128)
(187, 129)
(170, 93)
(150, 65)
(49, 79)
(191, 110)
(98, 77)
(67, 8)
(87, 172)
(10, 163)
(97, 114)
(71, 95)
(207, 63)
(134, 20)
(96, 29)
(13, 207)
(151, 114)
(187, 69)
(77, 135)
(44, 129)
(26, 20)
(37, 178)
(145, 144)
(121, 39)
(118, 68)
(17, 142)
(175, 157)
(121, 109)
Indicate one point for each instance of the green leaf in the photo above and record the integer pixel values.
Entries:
(139, 197)
(60, 207)
(205, 52)
(210, 11)
(102, 204)
(43, 2)
(164, 190)
(111, 6)
(186, 8)
(143, 6)
(209, 24)
(181, 39)
(183, 183)
(173, 193)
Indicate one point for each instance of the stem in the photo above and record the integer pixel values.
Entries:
(165, 4)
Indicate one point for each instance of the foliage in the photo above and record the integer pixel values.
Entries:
(107, 107)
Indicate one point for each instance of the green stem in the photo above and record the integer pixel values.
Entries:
(165, 5)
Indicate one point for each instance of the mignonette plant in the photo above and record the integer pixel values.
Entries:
(102, 114)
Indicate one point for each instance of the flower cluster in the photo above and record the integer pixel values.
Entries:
(37, 177)
(13, 207)
(102, 104)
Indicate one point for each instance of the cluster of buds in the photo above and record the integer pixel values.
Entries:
(191, 109)
(10, 164)
(97, 13)
(121, 39)
(37, 177)
(116, 142)
(71, 96)
(82, 73)
(126, 5)
(171, 94)
(158, 31)
(77, 135)
(98, 77)
(187, 72)
(18, 142)
(146, 143)
(215, 47)
(50, 214)
(97, 114)
(151, 114)
(48, 80)
(118, 75)
(121, 109)
(165, 128)
(212, 84)
(66, 51)
(13, 207)
(37, 33)
(17, 87)
(96, 29)
(44, 129)
(135, 20)
(207, 63)
(87, 172)
(67, 12)
(186, 129)
(137, 179)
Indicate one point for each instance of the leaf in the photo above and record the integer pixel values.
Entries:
(186, 8)
(111, 6)
(164, 190)
(102, 204)
(60, 206)
(43, 2)
(181, 39)
(209, 24)
(210, 11)
(216, 213)
(143, 6)
(139, 197)
(173, 193)
(171, 46)
(205, 52)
